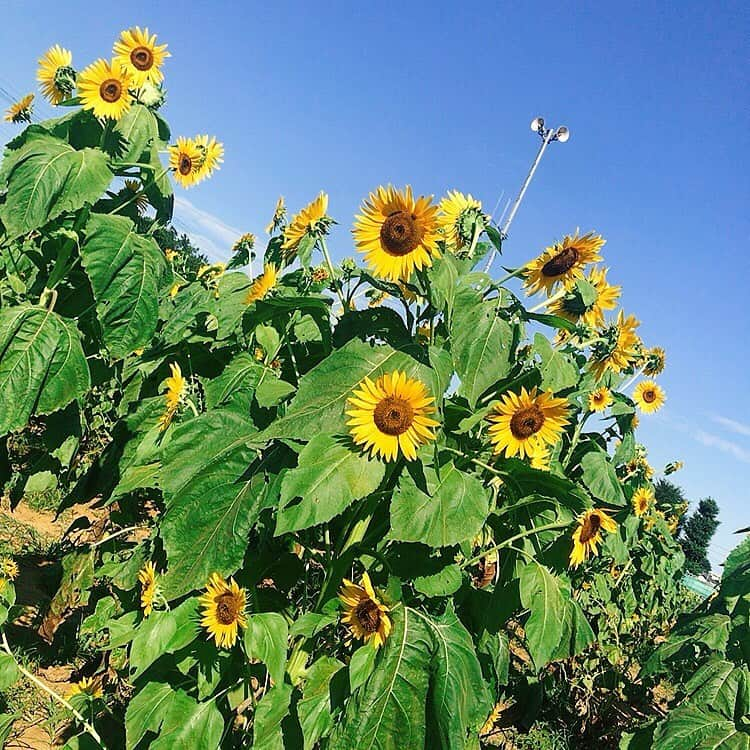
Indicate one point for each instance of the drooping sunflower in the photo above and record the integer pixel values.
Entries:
(56, 77)
(672, 523)
(262, 285)
(618, 347)
(88, 686)
(136, 194)
(656, 359)
(21, 110)
(366, 616)
(391, 414)
(186, 161)
(278, 220)
(460, 216)
(212, 155)
(104, 89)
(634, 422)
(588, 534)
(563, 262)
(575, 307)
(173, 396)
(524, 423)
(147, 579)
(643, 499)
(244, 244)
(649, 396)
(312, 219)
(138, 53)
(397, 233)
(223, 610)
(599, 399)
(673, 466)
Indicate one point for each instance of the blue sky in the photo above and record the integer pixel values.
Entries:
(311, 96)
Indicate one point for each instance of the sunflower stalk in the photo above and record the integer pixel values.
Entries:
(335, 283)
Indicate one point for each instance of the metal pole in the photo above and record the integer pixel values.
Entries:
(549, 135)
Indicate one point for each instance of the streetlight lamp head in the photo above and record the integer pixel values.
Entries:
(537, 124)
(562, 134)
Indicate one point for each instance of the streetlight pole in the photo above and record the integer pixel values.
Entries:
(561, 134)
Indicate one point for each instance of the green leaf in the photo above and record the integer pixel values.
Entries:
(269, 713)
(124, 268)
(361, 665)
(236, 384)
(314, 709)
(146, 711)
(201, 537)
(696, 727)
(46, 177)
(541, 594)
(481, 347)
(600, 478)
(271, 390)
(454, 507)
(266, 639)
(42, 365)
(330, 475)
(140, 130)
(388, 711)
(200, 725)
(6, 726)
(443, 583)
(559, 370)
(721, 685)
(8, 671)
(459, 700)
(321, 398)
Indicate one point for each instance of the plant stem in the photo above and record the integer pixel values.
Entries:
(141, 192)
(114, 536)
(508, 542)
(576, 437)
(518, 272)
(33, 678)
(334, 280)
(559, 295)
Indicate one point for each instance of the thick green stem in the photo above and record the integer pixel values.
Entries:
(334, 280)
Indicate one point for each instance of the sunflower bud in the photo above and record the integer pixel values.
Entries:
(65, 80)
(151, 96)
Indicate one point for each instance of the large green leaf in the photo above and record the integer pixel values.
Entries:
(46, 177)
(453, 509)
(388, 711)
(201, 725)
(722, 685)
(330, 476)
(266, 639)
(148, 709)
(236, 384)
(600, 478)
(139, 130)
(42, 364)
(481, 347)
(213, 498)
(558, 369)
(459, 700)
(269, 713)
(698, 727)
(314, 709)
(124, 268)
(321, 398)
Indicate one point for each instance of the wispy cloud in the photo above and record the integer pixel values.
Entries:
(731, 424)
(214, 236)
(726, 446)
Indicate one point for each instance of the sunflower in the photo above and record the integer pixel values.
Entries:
(103, 88)
(397, 233)
(618, 348)
(174, 289)
(525, 423)
(391, 413)
(278, 220)
(135, 193)
(599, 399)
(212, 155)
(8, 568)
(186, 160)
(245, 243)
(365, 615)
(88, 686)
(21, 111)
(588, 534)
(656, 359)
(572, 305)
(139, 54)
(635, 420)
(459, 218)
(673, 466)
(563, 262)
(643, 499)
(171, 254)
(147, 579)
(223, 610)
(262, 285)
(173, 397)
(672, 523)
(312, 219)
(56, 77)
(540, 459)
(649, 396)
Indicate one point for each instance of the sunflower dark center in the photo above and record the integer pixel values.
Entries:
(561, 263)
(368, 615)
(227, 609)
(110, 90)
(400, 233)
(186, 164)
(142, 58)
(649, 396)
(591, 527)
(525, 422)
(393, 416)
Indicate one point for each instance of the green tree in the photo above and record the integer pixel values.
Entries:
(698, 530)
(670, 498)
(190, 258)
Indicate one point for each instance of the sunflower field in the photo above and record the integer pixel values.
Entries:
(391, 502)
